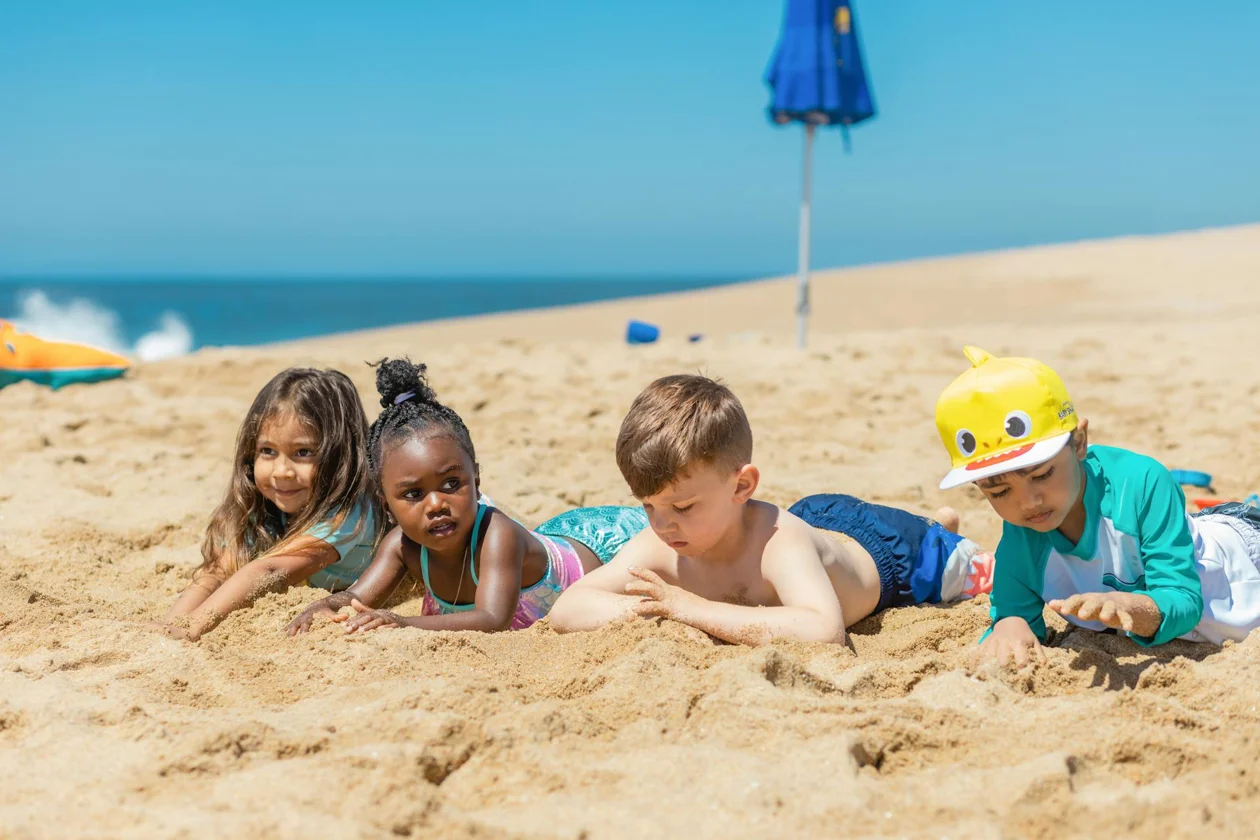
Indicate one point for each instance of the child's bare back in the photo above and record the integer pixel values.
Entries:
(740, 569)
(772, 536)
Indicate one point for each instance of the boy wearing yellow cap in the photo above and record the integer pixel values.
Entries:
(1098, 534)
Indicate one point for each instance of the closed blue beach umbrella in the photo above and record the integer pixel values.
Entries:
(816, 78)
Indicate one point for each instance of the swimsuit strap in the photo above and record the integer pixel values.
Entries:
(472, 548)
(472, 555)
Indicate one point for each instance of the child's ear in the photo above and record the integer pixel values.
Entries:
(1082, 439)
(746, 481)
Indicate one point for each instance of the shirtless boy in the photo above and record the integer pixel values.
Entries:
(744, 570)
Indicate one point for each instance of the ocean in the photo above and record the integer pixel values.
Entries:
(152, 319)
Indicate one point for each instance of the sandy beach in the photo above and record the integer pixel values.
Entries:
(108, 730)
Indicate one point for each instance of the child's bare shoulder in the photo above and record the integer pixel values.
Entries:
(792, 540)
(646, 551)
(502, 531)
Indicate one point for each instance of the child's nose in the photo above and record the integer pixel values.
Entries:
(659, 521)
(1030, 501)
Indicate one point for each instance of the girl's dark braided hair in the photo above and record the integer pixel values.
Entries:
(409, 407)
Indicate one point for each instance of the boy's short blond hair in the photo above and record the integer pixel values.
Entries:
(676, 422)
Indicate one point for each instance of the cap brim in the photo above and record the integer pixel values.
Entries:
(1016, 458)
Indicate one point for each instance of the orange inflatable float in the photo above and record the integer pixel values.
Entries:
(53, 363)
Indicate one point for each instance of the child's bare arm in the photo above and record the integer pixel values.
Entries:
(498, 589)
(600, 598)
(809, 611)
(373, 587)
(271, 571)
(203, 585)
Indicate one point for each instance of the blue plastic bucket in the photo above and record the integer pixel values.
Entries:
(641, 332)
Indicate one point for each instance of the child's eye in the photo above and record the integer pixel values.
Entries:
(305, 453)
(266, 451)
(998, 494)
(412, 495)
(684, 508)
(1044, 475)
(451, 485)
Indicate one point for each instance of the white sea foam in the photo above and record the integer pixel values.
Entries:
(87, 322)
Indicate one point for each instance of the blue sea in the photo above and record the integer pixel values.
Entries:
(154, 318)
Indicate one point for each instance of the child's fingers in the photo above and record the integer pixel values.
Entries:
(1107, 614)
(1088, 610)
(354, 602)
(643, 588)
(1066, 606)
(645, 574)
(1040, 651)
(650, 609)
(1126, 621)
(338, 617)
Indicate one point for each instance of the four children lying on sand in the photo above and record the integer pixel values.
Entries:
(1100, 535)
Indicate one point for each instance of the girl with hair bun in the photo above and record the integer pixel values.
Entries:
(481, 569)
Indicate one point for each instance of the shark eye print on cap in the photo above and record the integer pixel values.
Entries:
(1018, 425)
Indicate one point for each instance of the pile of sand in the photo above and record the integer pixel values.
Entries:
(640, 730)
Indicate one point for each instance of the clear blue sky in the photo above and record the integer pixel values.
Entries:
(446, 136)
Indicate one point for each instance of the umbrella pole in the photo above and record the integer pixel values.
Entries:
(802, 254)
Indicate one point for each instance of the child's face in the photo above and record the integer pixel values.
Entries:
(285, 462)
(430, 486)
(693, 514)
(1040, 497)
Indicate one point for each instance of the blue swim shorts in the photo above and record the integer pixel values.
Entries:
(919, 562)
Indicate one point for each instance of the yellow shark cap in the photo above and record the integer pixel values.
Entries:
(1003, 414)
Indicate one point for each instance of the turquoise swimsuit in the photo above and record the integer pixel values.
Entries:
(564, 567)
(602, 529)
(354, 539)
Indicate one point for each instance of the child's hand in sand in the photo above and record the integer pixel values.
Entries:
(1011, 639)
(324, 608)
(1131, 612)
(171, 631)
(370, 619)
(659, 598)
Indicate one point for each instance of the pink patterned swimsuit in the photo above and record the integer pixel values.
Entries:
(564, 567)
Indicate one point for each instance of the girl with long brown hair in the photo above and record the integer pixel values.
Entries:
(481, 569)
(299, 507)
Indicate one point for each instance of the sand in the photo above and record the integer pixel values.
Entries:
(107, 730)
